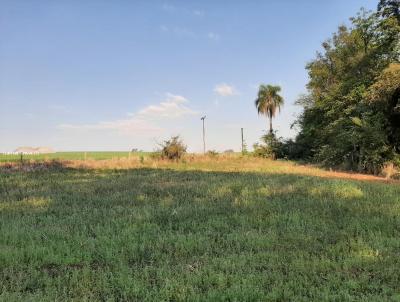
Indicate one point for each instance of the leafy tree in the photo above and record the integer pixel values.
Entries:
(350, 114)
(384, 96)
(389, 8)
(268, 102)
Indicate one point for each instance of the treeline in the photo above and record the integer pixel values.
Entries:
(351, 116)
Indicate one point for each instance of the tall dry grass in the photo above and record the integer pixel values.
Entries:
(220, 162)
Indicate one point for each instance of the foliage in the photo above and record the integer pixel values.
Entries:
(268, 102)
(275, 147)
(384, 97)
(212, 153)
(270, 147)
(389, 8)
(351, 112)
(173, 149)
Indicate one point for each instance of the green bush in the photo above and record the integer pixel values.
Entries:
(270, 147)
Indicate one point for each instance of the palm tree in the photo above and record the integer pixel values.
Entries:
(268, 101)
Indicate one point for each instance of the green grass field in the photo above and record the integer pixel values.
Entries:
(68, 156)
(197, 232)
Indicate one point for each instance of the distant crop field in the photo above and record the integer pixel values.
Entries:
(205, 229)
(101, 155)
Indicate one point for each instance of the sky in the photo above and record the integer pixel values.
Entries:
(116, 75)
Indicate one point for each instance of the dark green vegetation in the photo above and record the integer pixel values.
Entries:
(351, 116)
(180, 235)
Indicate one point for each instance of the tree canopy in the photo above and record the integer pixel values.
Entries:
(268, 102)
(351, 115)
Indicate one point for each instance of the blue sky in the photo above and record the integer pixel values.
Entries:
(116, 75)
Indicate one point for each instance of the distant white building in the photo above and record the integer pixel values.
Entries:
(32, 150)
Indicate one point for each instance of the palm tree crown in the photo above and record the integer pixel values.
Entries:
(268, 102)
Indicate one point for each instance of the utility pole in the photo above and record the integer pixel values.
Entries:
(241, 129)
(204, 135)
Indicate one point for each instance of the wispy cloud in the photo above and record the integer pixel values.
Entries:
(213, 36)
(173, 107)
(144, 121)
(225, 90)
(178, 31)
(182, 30)
(170, 8)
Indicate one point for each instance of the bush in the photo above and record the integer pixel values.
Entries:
(270, 147)
(173, 149)
(291, 149)
(389, 170)
(212, 153)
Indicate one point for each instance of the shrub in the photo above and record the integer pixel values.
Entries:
(389, 170)
(270, 147)
(291, 149)
(173, 149)
(212, 153)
